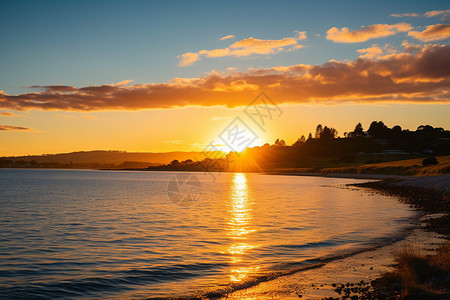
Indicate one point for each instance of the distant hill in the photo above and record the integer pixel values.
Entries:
(111, 157)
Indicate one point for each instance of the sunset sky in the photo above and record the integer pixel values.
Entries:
(152, 76)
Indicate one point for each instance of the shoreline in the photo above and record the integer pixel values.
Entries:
(330, 175)
(343, 175)
(430, 196)
(379, 177)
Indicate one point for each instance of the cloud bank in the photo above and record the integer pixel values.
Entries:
(421, 76)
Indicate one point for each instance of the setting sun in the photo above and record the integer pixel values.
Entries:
(224, 149)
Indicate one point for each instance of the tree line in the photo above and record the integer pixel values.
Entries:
(326, 148)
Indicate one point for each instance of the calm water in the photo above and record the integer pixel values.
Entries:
(101, 234)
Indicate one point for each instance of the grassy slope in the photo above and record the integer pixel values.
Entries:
(417, 276)
(401, 167)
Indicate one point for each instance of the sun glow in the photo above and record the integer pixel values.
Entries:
(227, 149)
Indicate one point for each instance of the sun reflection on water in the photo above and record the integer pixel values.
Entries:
(239, 226)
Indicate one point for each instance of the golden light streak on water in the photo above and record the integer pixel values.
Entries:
(239, 226)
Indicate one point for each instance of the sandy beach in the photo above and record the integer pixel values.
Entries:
(360, 269)
(440, 183)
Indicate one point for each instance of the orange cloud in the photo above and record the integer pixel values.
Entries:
(124, 82)
(246, 47)
(252, 45)
(6, 114)
(216, 52)
(188, 59)
(423, 76)
(344, 35)
(13, 128)
(411, 47)
(434, 13)
(230, 36)
(301, 35)
(432, 33)
(371, 52)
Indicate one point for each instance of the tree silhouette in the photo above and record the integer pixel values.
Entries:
(299, 141)
(328, 133)
(319, 131)
(359, 131)
(425, 128)
(334, 133)
(396, 131)
(378, 130)
(279, 143)
(282, 143)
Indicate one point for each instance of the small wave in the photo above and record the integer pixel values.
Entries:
(114, 282)
(308, 245)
